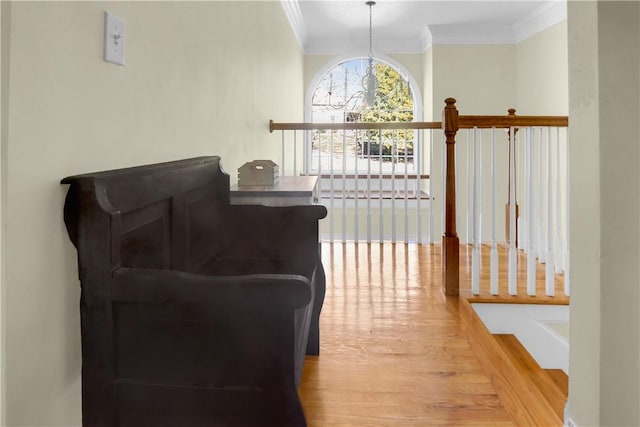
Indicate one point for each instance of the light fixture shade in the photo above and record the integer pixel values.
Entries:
(372, 85)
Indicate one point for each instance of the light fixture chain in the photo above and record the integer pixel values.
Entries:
(370, 30)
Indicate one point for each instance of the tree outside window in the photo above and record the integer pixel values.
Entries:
(340, 98)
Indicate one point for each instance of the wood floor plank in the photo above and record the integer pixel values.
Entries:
(395, 351)
(526, 404)
(527, 365)
(503, 296)
(561, 379)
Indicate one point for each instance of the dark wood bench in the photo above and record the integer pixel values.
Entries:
(194, 312)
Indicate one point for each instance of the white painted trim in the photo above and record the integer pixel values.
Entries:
(528, 323)
(568, 421)
(339, 46)
(472, 34)
(545, 16)
(296, 20)
(426, 39)
(415, 88)
(5, 54)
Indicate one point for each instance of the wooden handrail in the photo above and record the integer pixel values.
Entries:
(399, 175)
(484, 122)
(353, 126)
(464, 122)
(450, 124)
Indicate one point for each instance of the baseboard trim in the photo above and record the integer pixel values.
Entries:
(568, 421)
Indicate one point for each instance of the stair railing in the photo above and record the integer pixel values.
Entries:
(531, 164)
(534, 232)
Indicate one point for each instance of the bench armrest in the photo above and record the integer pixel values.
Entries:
(162, 286)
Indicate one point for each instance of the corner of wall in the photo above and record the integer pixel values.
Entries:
(427, 84)
(5, 45)
(585, 311)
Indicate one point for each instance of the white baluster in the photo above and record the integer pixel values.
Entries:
(475, 254)
(344, 187)
(406, 189)
(283, 153)
(319, 170)
(307, 152)
(368, 154)
(549, 276)
(512, 257)
(332, 185)
(540, 228)
(295, 153)
(356, 225)
(567, 251)
(393, 185)
(559, 251)
(521, 220)
(469, 191)
(431, 236)
(494, 244)
(443, 156)
(417, 159)
(480, 188)
(381, 213)
(531, 256)
(524, 219)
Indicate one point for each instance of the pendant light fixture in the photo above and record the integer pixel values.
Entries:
(371, 80)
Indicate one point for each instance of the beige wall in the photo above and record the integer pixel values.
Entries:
(200, 78)
(4, 116)
(605, 206)
(427, 66)
(482, 80)
(584, 358)
(542, 73)
(542, 88)
(480, 77)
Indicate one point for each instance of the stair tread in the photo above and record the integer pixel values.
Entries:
(560, 378)
(529, 367)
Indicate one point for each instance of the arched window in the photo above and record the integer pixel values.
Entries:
(339, 95)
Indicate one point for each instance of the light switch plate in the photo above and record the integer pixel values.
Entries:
(114, 39)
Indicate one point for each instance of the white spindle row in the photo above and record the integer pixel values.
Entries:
(542, 235)
(538, 160)
(351, 181)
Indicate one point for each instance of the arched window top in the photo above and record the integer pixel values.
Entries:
(337, 94)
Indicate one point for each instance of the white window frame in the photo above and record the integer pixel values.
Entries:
(322, 72)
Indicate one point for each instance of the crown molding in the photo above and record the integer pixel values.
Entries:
(426, 39)
(471, 34)
(547, 15)
(338, 46)
(296, 20)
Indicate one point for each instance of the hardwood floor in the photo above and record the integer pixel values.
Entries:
(395, 351)
(503, 295)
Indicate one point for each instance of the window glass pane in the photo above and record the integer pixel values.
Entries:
(340, 97)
